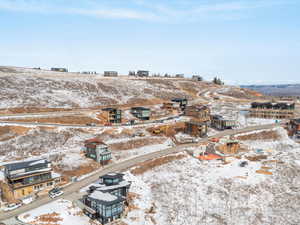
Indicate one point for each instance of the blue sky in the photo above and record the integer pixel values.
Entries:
(241, 41)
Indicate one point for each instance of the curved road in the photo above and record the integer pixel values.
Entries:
(72, 191)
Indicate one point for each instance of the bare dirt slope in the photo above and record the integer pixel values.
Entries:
(29, 88)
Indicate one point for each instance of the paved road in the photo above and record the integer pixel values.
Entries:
(71, 191)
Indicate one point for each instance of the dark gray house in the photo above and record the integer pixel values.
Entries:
(142, 73)
(59, 69)
(110, 73)
(107, 199)
(182, 102)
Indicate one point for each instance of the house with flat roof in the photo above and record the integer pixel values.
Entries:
(27, 177)
(180, 102)
(97, 150)
(110, 73)
(142, 73)
(107, 198)
(272, 110)
(59, 69)
(112, 115)
(141, 113)
(221, 123)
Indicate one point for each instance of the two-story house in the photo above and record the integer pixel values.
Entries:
(107, 198)
(97, 150)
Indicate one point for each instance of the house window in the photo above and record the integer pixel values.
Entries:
(49, 183)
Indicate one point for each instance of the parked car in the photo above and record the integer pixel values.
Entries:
(55, 192)
(12, 206)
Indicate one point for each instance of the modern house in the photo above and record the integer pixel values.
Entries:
(110, 73)
(272, 110)
(141, 113)
(221, 123)
(195, 128)
(27, 177)
(179, 75)
(112, 115)
(180, 102)
(197, 78)
(97, 150)
(294, 128)
(200, 113)
(59, 69)
(107, 199)
(142, 73)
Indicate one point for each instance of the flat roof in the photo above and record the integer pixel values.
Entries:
(25, 164)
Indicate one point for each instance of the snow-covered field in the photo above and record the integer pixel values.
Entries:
(59, 212)
(189, 191)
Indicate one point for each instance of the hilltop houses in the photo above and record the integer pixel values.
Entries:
(107, 199)
(59, 69)
(110, 73)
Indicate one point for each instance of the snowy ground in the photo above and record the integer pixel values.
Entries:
(60, 212)
(189, 191)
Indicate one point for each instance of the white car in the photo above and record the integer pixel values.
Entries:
(12, 206)
(55, 193)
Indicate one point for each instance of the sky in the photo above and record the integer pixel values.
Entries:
(240, 41)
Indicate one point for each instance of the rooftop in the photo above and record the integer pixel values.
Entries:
(26, 164)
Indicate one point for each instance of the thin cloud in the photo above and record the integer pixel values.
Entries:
(140, 9)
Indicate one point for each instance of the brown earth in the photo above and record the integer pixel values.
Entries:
(264, 135)
(60, 120)
(138, 143)
(150, 164)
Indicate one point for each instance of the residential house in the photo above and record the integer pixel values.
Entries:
(107, 199)
(195, 128)
(27, 177)
(179, 75)
(97, 150)
(272, 110)
(221, 123)
(141, 113)
(200, 113)
(142, 73)
(112, 115)
(59, 69)
(110, 73)
(197, 78)
(180, 103)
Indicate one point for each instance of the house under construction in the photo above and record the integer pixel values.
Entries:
(112, 115)
(196, 129)
(199, 113)
(271, 110)
(294, 128)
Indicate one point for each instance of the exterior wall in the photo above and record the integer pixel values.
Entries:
(202, 115)
(229, 148)
(271, 113)
(198, 130)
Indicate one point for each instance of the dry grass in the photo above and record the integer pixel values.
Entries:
(60, 120)
(148, 165)
(138, 143)
(264, 135)
(48, 219)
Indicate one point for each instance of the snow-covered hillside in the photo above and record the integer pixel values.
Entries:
(22, 87)
(189, 191)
